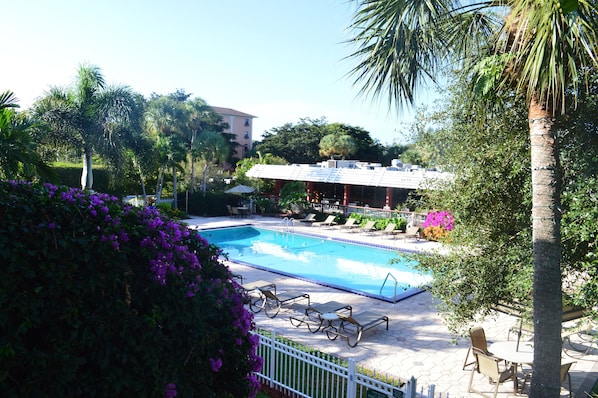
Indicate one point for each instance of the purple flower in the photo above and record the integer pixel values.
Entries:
(216, 364)
(170, 391)
(442, 219)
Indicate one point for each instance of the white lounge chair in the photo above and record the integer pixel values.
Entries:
(329, 222)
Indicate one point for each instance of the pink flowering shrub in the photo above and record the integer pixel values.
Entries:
(100, 299)
(437, 225)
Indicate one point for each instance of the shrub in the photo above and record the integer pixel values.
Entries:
(100, 299)
(437, 225)
(210, 204)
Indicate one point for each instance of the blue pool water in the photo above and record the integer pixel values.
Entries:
(339, 264)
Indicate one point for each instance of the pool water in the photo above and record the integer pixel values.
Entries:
(339, 264)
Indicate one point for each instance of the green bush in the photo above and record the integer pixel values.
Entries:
(103, 300)
(212, 204)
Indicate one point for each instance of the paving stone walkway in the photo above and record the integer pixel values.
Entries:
(417, 343)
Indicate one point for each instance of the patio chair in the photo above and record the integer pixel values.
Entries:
(328, 222)
(349, 225)
(234, 211)
(565, 377)
(312, 316)
(477, 335)
(489, 366)
(389, 230)
(352, 327)
(271, 302)
(369, 227)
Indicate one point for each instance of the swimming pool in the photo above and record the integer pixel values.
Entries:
(339, 264)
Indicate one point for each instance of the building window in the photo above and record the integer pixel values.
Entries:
(246, 148)
(246, 122)
(247, 135)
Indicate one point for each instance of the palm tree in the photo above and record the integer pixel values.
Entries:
(200, 118)
(18, 156)
(165, 119)
(212, 148)
(335, 144)
(89, 115)
(535, 47)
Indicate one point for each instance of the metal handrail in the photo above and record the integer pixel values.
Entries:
(288, 223)
(394, 298)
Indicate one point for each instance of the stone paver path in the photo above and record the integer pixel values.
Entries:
(417, 343)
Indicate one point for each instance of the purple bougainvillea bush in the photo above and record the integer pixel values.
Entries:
(437, 225)
(99, 299)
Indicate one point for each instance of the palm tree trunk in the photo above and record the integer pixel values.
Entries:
(159, 184)
(87, 173)
(193, 135)
(547, 294)
(174, 183)
(205, 173)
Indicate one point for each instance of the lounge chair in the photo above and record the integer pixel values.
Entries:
(256, 299)
(368, 227)
(349, 225)
(313, 314)
(310, 218)
(352, 326)
(328, 222)
(272, 302)
(411, 232)
(389, 230)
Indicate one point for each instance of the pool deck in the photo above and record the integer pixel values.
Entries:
(417, 343)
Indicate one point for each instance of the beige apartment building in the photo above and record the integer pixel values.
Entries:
(241, 125)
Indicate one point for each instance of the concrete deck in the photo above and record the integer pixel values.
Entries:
(417, 343)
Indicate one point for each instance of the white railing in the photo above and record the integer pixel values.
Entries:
(303, 372)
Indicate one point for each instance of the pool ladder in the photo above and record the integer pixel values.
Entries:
(394, 298)
(286, 225)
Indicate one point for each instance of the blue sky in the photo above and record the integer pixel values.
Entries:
(279, 60)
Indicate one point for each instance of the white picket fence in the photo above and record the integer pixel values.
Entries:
(302, 372)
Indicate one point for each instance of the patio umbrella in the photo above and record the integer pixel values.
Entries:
(240, 189)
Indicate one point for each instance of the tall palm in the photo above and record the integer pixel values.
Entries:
(200, 118)
(536, 47)
(212, 148)
(88, 115)
(165, 120)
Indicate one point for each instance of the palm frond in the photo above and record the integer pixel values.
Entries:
(8, 99)
(400, 46)
(551, 43)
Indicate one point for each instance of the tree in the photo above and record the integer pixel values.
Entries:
(88, 116)
(342, 145)
(18, 155)
(366, 149)
(165, 119)
(295, 143)
(538, 49)
(245, 164)
(212, 148)
(202, 118)
(300, 143)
